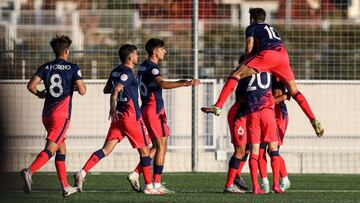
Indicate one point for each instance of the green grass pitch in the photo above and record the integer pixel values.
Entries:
(189, 187)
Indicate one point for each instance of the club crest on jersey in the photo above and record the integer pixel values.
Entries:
(124, 77)
(79, 73)
(155, 71)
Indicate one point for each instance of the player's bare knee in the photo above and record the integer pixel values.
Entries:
(144, 151)
(239, 152)
(273, 146)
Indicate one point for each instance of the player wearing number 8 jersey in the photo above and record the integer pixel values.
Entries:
(152, 109)
(59, 78)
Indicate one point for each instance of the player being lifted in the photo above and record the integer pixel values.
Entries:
(271, 57)
(59, 78)
(125, 117)
(152, 109)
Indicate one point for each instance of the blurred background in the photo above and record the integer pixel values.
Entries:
(321, 36)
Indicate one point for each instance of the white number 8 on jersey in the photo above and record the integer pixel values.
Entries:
(56, 81)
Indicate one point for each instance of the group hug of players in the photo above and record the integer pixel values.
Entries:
(257, 120)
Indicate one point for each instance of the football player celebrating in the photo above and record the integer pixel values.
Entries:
(60, 77)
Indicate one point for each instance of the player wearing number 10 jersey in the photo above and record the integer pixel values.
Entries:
(59, 78)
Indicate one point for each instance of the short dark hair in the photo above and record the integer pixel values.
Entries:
(152, 44)
(60, 43)
(257, 14)
(125, 51)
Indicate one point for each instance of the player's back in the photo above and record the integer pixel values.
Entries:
(59, 78)
(150, 92)
(256, 92)
(265, 36)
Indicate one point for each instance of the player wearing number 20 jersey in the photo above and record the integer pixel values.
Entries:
(250, 119)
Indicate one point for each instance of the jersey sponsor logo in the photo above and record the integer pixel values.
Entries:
(79, 73)
(59, 67)
(124, 77)
(155, 71)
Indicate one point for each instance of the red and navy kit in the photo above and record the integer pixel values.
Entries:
(130, 122)
(127, 102)
(257, 103)
(269, 55)
(152, 107)
(281, 112)
(265, 36)
(237, 124)
(59, 78)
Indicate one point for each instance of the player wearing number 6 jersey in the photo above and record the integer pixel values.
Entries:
(59, 78)
(153, 111)
(266, 53)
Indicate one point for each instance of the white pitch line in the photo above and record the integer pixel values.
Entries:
(192, 191)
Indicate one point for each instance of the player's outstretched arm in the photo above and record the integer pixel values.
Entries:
(80, 86)
(163, 84)
(32, 87)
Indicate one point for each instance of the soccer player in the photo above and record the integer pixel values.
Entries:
(237, 125)
(281, 115)
(260, 124)
(271, 56)
(60, 77)
(153, 111)
(125, 117)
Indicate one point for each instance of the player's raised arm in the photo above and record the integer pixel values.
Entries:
(32, 87)
(163, 84)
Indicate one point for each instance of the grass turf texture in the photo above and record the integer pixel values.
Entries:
(189, 187)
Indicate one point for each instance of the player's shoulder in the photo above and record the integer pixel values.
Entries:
(148, 64)
(252, 26)
(115, 72)
(47, 65)
(123, 70)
